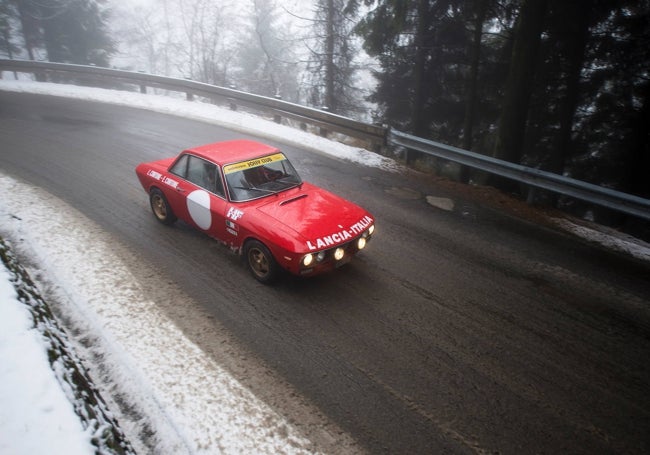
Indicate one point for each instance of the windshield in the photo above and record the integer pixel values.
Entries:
(260, 177)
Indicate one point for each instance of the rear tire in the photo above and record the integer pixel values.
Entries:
(261, 262)
(161, 208)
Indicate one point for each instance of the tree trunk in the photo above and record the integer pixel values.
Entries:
(579, 11)
(418, 121)
(638, 163)
(29, 28)
(472, 83)
(330, 69)
(519, 85)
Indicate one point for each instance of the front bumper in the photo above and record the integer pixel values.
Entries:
(332, 258)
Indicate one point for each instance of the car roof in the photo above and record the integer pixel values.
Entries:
(228, 152)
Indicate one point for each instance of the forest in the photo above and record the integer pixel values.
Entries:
(562, 86)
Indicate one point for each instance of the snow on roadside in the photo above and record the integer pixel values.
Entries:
(193, 404)
(37, 420)
(607, 237)
(36, 415)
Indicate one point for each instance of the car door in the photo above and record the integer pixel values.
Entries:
(203, 198)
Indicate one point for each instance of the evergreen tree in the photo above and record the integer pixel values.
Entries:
(70, 31)
(589, 93)
(331, 68)
(28, 13)
(612, 133)
(75, 31)
(426, 69)
(519, 86)
(7, 26)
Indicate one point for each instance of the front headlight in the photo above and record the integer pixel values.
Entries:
(371, 229)
(361, 243)
(307, 260)
(339, 253)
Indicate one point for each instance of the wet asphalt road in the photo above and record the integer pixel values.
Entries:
(454, 332)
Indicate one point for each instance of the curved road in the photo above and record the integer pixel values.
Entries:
(454, 332)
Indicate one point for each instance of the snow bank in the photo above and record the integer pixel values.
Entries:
(607, 237)
(194, 405)
(36, 415)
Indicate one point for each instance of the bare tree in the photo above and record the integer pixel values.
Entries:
(184, 38)
(150, 41)
(204, 24)
(266, 61)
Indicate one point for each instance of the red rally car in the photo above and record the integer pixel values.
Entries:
(249, 196)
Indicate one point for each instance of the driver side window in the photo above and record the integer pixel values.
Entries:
(204, 174)
(200, 172)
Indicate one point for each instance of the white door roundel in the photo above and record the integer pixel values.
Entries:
(198, 204)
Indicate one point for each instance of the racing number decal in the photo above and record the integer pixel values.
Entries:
(234, 215)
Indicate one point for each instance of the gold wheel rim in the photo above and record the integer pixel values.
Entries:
(259, 262)
(159, 208)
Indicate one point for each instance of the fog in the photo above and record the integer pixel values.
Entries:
(253, 45)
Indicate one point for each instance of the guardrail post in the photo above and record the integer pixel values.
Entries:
(277, 118)
(189, 96)
(409, 157)
(323, 131)
(40, 76)
(530, 195)
(143, 87)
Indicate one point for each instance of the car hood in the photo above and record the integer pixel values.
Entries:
(319, 218)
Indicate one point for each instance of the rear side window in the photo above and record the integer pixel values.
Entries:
(180, 167)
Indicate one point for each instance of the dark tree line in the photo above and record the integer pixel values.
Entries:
(66, 31)
(562, 86)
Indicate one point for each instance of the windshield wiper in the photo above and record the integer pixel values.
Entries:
(263, 190)
(292, 180)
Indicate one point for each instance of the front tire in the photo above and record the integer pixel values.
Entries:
(161, 208)
(261, 262)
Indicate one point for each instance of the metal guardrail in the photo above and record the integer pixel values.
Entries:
(598, 195)
(376, 135)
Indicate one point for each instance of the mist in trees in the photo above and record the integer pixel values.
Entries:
(267, 61)
(67, 31)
